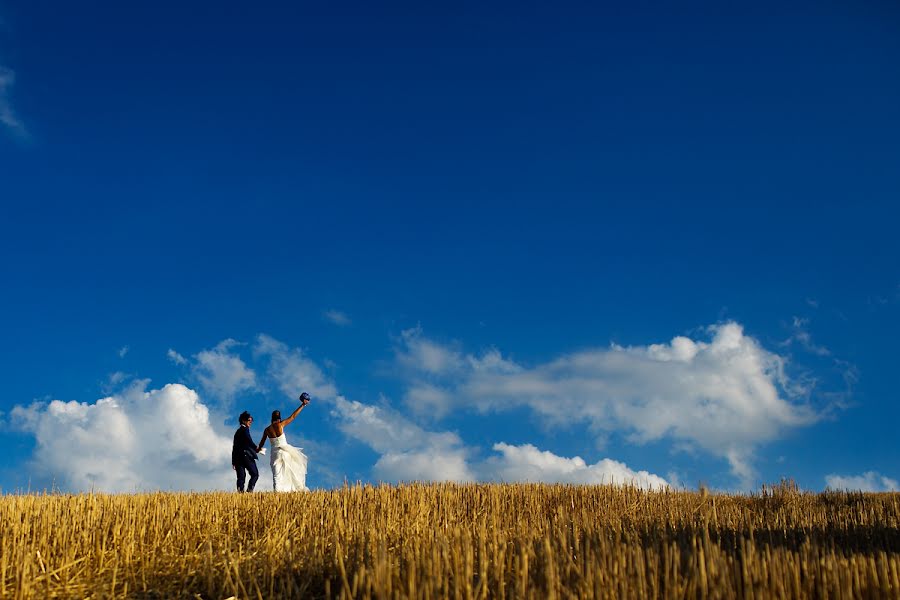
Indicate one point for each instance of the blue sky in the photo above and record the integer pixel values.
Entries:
(570, 242)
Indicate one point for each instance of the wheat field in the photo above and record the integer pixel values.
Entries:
(452, 541)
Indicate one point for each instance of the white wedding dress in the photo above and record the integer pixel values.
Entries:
(288, 466)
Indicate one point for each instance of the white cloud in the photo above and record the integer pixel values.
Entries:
(802, 337)
(7, 115)
(176, 358)
(430, 364)
(162, 439)
(425, 465)
(293, 372)
(527, 463)
(408, 452)
(385, 430)
(123, 351)
(411, 453)
(725, 396)
(869, 481)
(114, 381)
(492, 362)
(222, 373)
(428, 400)
(337, 317)
(135, 440)
(421, 354)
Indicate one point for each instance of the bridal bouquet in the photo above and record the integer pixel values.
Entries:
(262, 451)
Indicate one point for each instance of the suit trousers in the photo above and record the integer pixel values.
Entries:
(243, 466)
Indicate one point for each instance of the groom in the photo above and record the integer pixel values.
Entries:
(243, 453)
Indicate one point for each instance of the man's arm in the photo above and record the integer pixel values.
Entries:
(262, 441)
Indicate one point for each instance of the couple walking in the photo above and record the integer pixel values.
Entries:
(288, 463)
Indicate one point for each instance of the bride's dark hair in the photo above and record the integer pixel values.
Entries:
(276, 415)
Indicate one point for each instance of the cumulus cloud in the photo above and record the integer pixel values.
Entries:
(162, 439)
(870, 481)
(7, 115)
(123, 351)
(223, 373)
(132, 441)
(408, 452)
(337, 317)
(527, 463)
(292, 370)
(725, 395)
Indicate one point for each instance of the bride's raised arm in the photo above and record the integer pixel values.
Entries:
(304, 400)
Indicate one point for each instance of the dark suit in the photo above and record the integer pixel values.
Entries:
(243, 457)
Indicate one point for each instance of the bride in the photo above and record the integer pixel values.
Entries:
(288, 463)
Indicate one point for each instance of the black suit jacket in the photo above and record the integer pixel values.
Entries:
(242, 441)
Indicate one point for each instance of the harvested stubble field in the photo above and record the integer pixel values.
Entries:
(452, 541)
